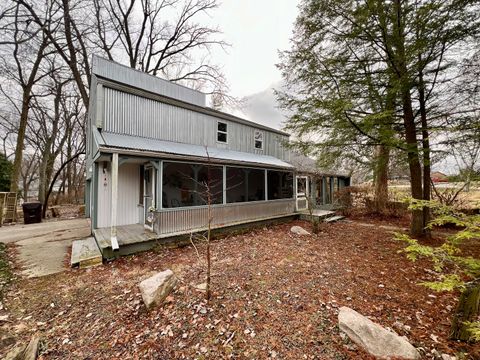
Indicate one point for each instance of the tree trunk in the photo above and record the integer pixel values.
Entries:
(381, 178)
(426, 155)
(417, 227)
(17, 163)
(467, 310)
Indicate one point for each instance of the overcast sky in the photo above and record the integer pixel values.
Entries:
(256, 29)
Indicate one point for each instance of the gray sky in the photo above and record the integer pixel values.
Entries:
(256, 29)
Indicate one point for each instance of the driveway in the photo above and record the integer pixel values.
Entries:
(42, 248)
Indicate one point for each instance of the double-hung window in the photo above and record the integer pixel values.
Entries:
(258, 138)
(222, 132)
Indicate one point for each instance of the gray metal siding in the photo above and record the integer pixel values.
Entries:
(195, 218)
(131, 77)
(135, 115)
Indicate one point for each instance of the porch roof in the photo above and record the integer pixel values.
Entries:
(147, 145)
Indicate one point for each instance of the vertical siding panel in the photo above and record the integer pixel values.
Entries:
(138, 116)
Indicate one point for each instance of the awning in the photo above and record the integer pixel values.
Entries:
(161, 147)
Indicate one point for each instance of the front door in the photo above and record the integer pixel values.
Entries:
(149, 196)
(302, 193)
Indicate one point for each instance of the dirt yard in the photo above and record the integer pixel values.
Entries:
(276, 295)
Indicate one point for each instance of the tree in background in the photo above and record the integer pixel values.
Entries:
(367, 77)
(5, 173)
(56, 40)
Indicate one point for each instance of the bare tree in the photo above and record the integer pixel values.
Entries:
(21, 62)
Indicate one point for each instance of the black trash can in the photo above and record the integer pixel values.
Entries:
(32, 212)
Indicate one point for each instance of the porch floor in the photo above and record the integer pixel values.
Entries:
(126, 235)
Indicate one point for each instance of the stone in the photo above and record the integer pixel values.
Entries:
(25, 352)
(16, 353)
(448, 357)
(201, 287)
(375, 339)
(155, 289)
(31, 351)
(298, 230)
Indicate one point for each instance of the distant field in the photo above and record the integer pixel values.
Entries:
(472, 196)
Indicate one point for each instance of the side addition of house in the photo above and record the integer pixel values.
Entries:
(152, 145)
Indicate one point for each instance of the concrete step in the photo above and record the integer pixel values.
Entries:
(317, 214)
(85, 253)
(334, 218)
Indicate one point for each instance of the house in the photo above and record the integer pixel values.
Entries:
(438, 176)
(152, 144)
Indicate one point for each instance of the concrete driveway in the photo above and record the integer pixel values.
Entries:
(42, 248)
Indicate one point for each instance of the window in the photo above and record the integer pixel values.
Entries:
(221, 132)
(244, 184)
(280, 184)
(301, 186)
(185, 184)
(258, 139)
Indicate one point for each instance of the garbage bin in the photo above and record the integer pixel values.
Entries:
(32, 212)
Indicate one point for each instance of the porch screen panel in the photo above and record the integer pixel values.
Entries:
(279, 184)
(245, 184)
(184, 184)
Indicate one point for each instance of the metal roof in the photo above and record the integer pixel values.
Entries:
(147, 145)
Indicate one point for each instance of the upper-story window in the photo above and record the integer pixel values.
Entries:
(258, 139)
(221, 132)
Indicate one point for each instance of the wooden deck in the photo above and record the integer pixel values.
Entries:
(126, 235)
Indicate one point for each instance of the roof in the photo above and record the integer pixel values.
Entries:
(147, 145)
(168, 92)
(308, 165)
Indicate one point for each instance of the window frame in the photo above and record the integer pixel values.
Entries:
(222, 132)
(255, 140)
(186, 162)
(249, 168)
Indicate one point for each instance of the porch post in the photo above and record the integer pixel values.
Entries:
(224, 184)
(324, 190)
(266, 184)
(113, 217)
(332, 188)
(160, 185)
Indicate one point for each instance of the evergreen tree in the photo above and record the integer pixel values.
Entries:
(5, 173)
(366, 77)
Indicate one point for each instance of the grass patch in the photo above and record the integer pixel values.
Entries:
(5, 270)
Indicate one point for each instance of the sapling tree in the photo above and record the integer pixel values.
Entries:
(456, 270)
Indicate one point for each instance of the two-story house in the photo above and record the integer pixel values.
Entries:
(152, 145)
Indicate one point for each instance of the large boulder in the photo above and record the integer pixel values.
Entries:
(155, 289)
(298, 230)
(373, 338)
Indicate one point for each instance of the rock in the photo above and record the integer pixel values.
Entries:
(201, 287)
(448, 357)
(374, 338)
(156, 288)
(25, 352)
(298, 230)
(31, 351)
(6, 339)
(16, 353)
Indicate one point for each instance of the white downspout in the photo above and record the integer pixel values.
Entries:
(113, 217)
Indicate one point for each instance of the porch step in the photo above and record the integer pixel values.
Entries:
(334, 218)
(317, 214)
(85, 253)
